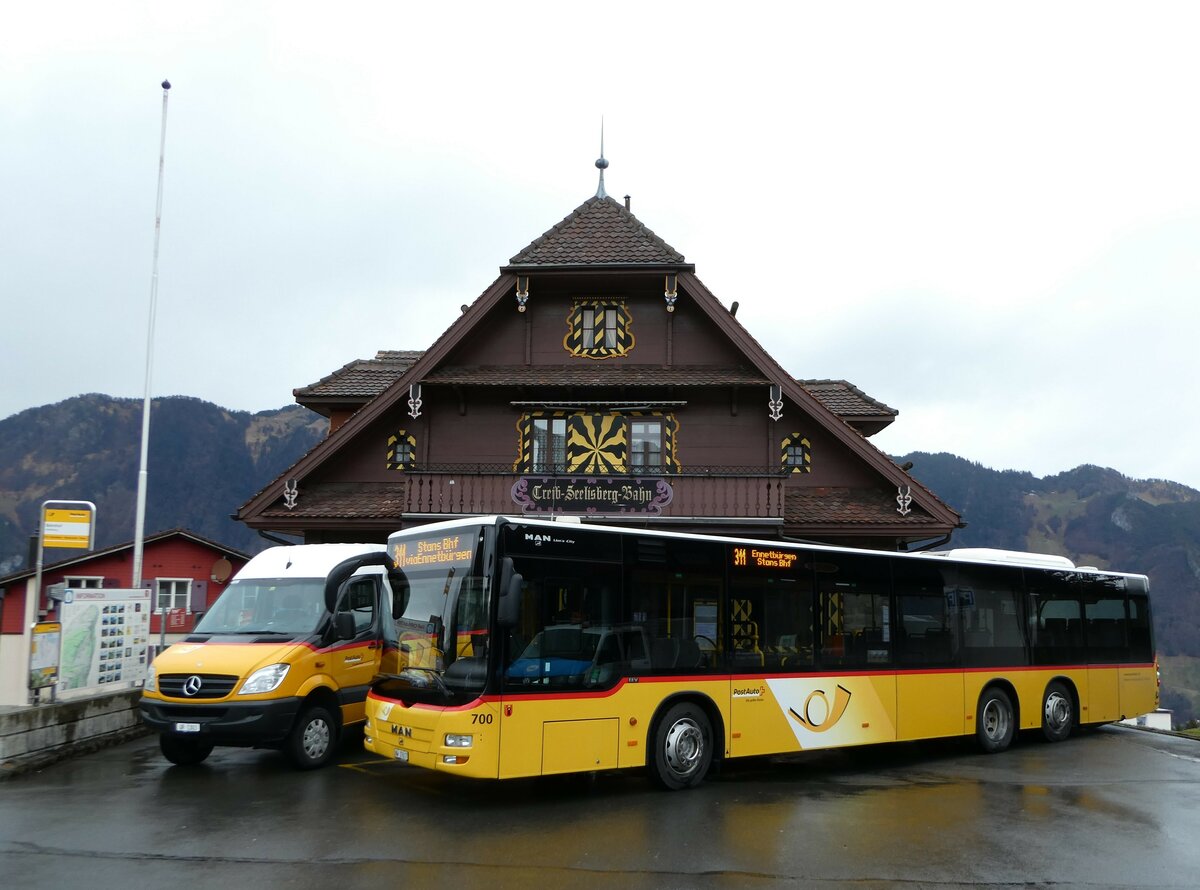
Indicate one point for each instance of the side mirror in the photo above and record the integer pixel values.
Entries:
(512, 583)
(401, 593)
(343, 626)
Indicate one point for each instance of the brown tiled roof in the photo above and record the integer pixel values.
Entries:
(847, 506)
(345, 500)
(845, 399)
(363, 378)
(592, 374)
(600, 231)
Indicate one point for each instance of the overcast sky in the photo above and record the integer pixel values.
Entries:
(986, 216)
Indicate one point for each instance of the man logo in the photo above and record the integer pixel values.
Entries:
(191, 686)
(820, 722)
(405, 732)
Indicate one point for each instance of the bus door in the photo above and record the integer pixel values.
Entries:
(929, 682)
(568, 649)
(353, 663)
(770, 637)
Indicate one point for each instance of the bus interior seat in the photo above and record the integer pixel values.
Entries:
(664, 651)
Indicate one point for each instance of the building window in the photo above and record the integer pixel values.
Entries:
(402, 451)
(548, 446)
(646, 446)
(599, 329)
(576, 443)
(796, 454)
(174, 593)
(83, 582)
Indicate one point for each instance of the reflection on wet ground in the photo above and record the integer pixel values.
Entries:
(1109, 808)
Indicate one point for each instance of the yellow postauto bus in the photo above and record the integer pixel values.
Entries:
(596, 648)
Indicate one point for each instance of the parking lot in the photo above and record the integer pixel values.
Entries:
(1116, 807)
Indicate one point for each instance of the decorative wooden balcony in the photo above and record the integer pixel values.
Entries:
(719, 493)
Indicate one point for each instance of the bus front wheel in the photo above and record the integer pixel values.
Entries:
(994, 721)
(313, 739)
(1058, 712)
(682, 747)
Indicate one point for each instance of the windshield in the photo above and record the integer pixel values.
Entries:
(291, 606)
(442, 632)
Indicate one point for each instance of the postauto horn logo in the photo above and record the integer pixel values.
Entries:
(825, 717)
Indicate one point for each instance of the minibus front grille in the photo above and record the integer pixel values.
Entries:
(196, 686)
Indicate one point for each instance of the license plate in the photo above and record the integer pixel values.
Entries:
(187, 727)
(402, 755)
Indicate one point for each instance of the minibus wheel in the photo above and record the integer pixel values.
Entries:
(313, 738)
(994, 721)
(183, 751)
(682, 747)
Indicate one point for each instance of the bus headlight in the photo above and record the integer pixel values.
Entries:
(458, 741)
(151, 684)
(264, 679)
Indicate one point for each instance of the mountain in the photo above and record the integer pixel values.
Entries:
(206, 461)
(1096, 517)
(203, 463)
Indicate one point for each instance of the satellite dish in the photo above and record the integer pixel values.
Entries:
(221, 570)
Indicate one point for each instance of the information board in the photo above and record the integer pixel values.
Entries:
(105, 635)
(43, 654)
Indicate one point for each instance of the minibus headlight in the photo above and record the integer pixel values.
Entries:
(151, 684)
(458, 741)
(265, 679)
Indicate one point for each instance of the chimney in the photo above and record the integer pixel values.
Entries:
(33, 552)
(627, 202)
(733, 308)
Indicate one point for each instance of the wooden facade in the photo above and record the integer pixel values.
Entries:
(598, 377)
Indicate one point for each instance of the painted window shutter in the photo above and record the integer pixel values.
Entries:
(198, 596)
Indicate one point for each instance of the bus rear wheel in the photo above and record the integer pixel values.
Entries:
(994, 721)
(1058, 712)
(682, 747)
(183, 751)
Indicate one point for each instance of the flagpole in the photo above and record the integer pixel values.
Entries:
(140, 522)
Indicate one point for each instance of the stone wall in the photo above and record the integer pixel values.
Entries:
(39, 734)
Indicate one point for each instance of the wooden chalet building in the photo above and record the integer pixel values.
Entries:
(597, 376)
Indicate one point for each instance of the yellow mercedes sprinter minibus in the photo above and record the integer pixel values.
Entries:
(283, 659)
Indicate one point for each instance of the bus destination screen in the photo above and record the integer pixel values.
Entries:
(450, 551)
(763, 558)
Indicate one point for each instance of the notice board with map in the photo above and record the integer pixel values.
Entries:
(105, 635)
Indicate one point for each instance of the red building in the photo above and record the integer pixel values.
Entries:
(598, 376)
(185, 572)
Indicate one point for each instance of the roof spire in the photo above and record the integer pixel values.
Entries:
(601, 163)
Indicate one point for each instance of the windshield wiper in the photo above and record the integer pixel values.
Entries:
(434, 675)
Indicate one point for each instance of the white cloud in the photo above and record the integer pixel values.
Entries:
(985, 217)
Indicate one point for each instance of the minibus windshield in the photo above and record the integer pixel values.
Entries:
(286, 606)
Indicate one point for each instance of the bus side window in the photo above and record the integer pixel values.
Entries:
(1104, 618)
(1057, 617)
(359, 600)
(926, 620)
(854, 615)
(991, 599)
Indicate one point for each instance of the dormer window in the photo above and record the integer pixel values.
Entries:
(599, 329)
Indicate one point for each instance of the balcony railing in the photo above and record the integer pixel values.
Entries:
(734, 492)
